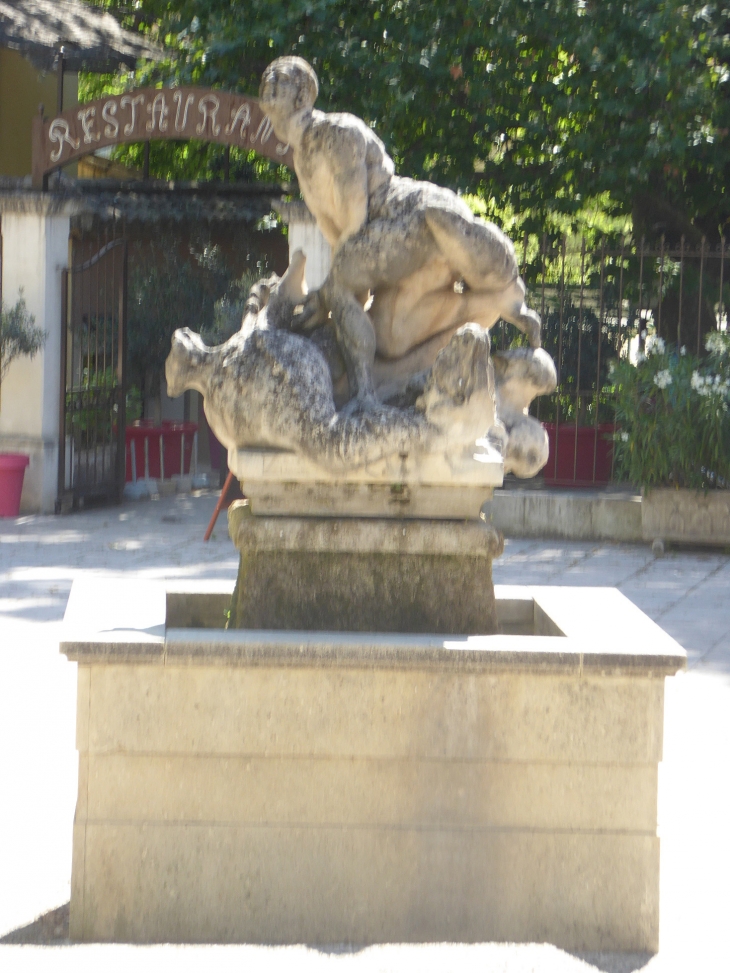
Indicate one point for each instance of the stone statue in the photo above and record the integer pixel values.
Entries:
(429, 265)
(268, 387)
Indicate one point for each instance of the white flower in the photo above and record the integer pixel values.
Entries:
(707, 385)
(624, 437)
(663, 378)
(643, 333)
(683, 350)
(654, 345)
(715, 342)
(640, 358)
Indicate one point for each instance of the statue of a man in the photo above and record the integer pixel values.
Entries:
(428, 262)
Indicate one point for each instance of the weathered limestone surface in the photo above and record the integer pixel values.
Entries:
(267, 387)
(358, 575)
(430, 264)
(321, 787)
(431, 486)
(415, 278)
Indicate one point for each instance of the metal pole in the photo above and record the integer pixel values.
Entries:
(218, 506)
(681, 290)
(560, 357)
(722, 272)
(580, 341)
(661, 287)
(699, 299)
(641, 290)
(598, 359)
(61, 67)
(61, 486)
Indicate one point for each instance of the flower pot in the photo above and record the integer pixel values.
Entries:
(585, 463)
(687, 516)
(164, 449)
(12, 470)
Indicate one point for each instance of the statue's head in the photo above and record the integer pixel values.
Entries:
(184, 363)
(287, 85)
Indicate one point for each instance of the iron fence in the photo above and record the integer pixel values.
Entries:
(598, 303)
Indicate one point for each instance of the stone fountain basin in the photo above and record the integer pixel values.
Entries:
(335, 787)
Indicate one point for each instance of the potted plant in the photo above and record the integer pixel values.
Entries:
(673, 411)
(578, 418)
(19, 337)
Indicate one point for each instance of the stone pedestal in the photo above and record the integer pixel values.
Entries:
(341, 787)
(433, 487)
(363, 574)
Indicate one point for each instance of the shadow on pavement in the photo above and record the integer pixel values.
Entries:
(616, 962)
(50, 929)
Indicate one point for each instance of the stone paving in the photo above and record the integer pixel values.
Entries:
(687, 593)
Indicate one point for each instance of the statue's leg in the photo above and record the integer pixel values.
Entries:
(356, 339)
(486, 260)
(380, 255)
(514, 309)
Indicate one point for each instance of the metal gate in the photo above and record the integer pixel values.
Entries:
(93, 392)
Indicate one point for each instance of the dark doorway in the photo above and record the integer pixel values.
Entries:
(93, 389)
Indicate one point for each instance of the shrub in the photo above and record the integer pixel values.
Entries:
(18, 335)
(673, 414)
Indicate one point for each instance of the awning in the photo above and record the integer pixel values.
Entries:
(92, 39)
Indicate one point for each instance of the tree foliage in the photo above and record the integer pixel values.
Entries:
(540, 105)
(169, 289)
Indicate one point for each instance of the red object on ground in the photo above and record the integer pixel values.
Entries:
(568, 466)
(173, 435)
(218, 506)
(170, 434)
(12, 471)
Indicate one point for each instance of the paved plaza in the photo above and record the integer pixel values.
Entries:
(686, 592)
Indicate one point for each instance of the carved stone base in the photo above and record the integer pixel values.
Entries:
(429, 487)
(363, 575)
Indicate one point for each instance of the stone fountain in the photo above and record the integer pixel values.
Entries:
(363, 741)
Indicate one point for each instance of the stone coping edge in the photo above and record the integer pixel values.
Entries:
(361, 535)
(122, 621)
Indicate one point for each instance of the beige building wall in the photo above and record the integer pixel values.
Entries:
(22, 89)
(35, 251)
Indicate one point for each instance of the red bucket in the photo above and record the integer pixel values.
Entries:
(12, 470)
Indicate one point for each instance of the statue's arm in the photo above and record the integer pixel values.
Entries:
(350, 187)
(330, 231)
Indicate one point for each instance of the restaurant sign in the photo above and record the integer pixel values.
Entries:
(144, 114)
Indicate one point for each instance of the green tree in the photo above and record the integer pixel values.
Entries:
(539, 105)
